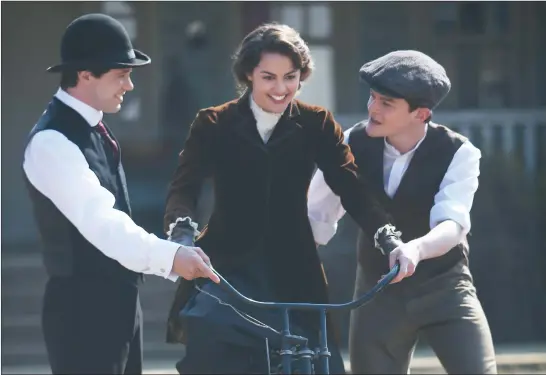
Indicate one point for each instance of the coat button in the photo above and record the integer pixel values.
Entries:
(162, 270)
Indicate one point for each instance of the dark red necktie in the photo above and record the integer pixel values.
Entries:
(102, 130)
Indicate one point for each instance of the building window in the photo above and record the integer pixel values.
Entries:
(471, 18)
(500, 17)
(445, 17)
(312, 20)
(314, 23)
(476, 40)
(493, 79)
(483, 77)
(254, 13)
(291, 15)
(124, 12)
(320, 21)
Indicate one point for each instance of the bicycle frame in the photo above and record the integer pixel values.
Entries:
(288, 341)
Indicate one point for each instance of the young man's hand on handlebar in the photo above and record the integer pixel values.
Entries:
(408, 256)
(442, 238)
(192, 263)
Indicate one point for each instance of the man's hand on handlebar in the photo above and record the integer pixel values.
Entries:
(192, 263)
(408, 256)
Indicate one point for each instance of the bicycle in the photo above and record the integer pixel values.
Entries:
(295, 348)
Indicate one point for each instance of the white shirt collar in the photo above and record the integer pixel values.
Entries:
(393, 151)
(90, 114)
(262, 115)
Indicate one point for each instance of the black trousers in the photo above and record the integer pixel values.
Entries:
(92, 326)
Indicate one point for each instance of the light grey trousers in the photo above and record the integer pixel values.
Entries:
(444, 310)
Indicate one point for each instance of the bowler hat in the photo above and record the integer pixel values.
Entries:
(97, 41)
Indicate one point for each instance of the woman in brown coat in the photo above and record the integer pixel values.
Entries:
(260, 151)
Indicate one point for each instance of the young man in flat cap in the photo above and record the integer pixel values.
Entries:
(94, 253)
(425, 175)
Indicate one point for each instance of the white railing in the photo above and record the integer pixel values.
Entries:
(512, 132)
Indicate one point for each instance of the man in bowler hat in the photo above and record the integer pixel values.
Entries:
(426, 176)
(94, 254)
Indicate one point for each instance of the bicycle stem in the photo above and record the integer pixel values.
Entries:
(288, 341)
(286, 345)
(324, 353)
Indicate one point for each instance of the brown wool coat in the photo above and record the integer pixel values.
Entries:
(261, 194)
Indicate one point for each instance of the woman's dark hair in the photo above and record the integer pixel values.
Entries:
(272, 38)
(69, 78)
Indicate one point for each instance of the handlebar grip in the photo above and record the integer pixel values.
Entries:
(389, 245)
(387, 239)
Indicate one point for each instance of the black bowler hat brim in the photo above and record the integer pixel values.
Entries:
(139, 59)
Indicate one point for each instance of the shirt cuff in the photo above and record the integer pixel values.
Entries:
(162, 259)
(323, 232)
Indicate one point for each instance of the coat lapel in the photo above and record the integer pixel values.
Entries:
(245, 125)
(287, 126)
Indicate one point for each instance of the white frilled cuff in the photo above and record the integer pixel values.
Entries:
(181, 220)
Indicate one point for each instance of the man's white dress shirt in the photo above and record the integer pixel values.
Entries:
(452, 202)
(57, 168)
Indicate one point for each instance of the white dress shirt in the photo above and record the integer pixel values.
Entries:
(57, 168)
(265, 123)
(452, 202)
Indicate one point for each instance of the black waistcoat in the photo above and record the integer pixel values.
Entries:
(66, 251)
(410, 206)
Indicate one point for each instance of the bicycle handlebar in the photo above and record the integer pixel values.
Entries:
(311, 306)
(388, 243)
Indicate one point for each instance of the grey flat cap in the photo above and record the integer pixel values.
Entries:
(410, 75)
